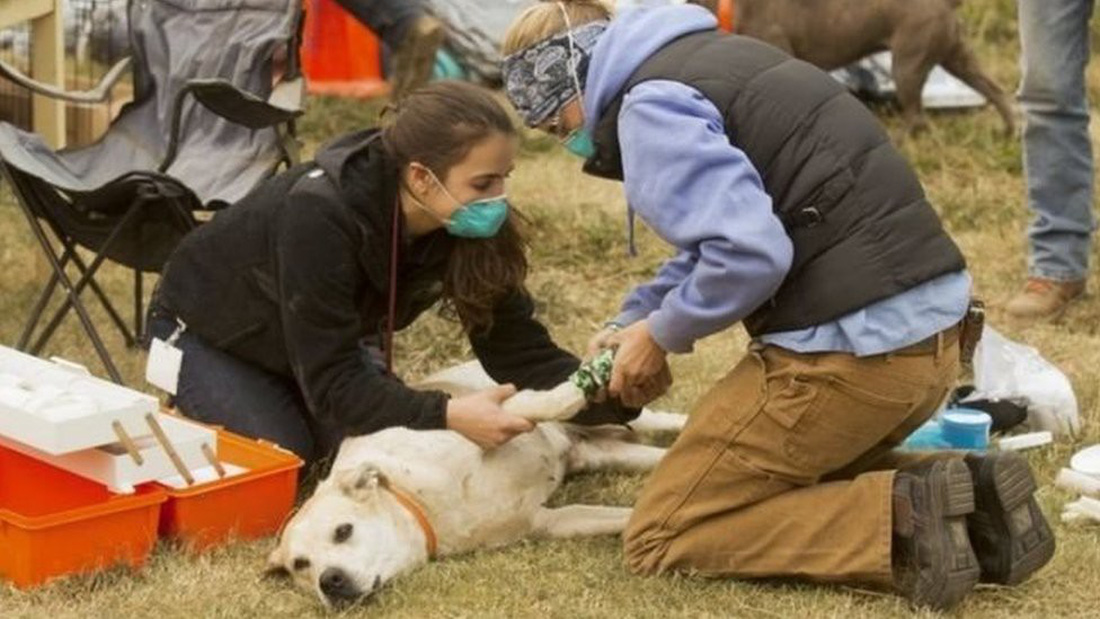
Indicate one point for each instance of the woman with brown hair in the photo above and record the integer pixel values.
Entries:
(792, 213)
(285, 304)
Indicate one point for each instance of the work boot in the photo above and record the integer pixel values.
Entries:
(934, 564)
(414, 59)
(1008, 531)
(1044, 299)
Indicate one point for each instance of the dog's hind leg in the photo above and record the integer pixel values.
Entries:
(653, 422)
(913, 61)
(579, 521)
(963, 64)
(612, 454)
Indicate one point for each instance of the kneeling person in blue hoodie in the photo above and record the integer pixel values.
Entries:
(791, 213)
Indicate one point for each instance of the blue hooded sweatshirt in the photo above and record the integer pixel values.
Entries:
(702, 195)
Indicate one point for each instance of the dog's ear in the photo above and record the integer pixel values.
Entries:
(276, 564)
(360, 483)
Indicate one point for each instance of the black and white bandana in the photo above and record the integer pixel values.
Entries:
(539, 80)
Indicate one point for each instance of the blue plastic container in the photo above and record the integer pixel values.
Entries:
(956, 428)
(965, 428)
(928, 437)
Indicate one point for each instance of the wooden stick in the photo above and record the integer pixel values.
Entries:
(127, 442)
(165, 444)
(213, 460)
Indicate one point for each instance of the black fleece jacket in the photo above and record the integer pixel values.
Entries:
(296, 275)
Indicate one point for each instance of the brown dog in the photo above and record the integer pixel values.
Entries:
(835, 33)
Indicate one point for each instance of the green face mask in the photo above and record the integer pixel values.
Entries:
(480, 219)
(579, 142)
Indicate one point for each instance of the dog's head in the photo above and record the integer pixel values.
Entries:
(348, 539)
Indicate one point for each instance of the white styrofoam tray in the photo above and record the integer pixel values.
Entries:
(1087, 461)
(112, 465)
(58, 408)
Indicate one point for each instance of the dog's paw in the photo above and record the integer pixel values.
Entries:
(559, 404)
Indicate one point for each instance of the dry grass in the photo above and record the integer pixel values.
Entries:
(581, 271)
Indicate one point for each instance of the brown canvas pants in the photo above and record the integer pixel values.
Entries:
(786, 466)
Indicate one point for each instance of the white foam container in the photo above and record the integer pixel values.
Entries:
(1084, 507)
(91, 405)
(1087, 461)
(1076, 481)
(1025, 441)
(112, 465)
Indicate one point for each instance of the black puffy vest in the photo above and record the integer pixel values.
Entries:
(861, 226)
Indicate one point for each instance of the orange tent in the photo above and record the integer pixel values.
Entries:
(340, 56)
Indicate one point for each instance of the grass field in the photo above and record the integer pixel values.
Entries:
(581, 270)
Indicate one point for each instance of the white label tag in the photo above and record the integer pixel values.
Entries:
(163, 368)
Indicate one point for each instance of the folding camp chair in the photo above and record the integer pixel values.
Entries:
(208, 122)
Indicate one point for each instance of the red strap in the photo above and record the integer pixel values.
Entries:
(727, 14)
(393, 285)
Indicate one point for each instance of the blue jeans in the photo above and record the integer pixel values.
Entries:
(389, 19)
(217, 388)
(1054, 35)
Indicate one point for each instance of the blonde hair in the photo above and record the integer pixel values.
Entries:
(545, 19)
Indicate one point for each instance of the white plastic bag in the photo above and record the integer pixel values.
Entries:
(1004, 369)
(872, 77)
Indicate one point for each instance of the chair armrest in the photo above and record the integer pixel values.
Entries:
(100, 93)
(237, 106)
(246, 109)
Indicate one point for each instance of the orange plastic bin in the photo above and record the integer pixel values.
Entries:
(54, 523)
(245, 506)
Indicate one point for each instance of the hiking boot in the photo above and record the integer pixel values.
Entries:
(934, 564)
(414, 59)
(1008, 531)
(1044, 299)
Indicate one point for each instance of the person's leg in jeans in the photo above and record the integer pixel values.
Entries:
(409, 31)
(217, 388)
(1058, 161)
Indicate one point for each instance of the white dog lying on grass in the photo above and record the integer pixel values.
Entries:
(398, 498)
